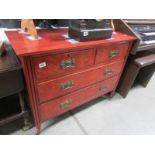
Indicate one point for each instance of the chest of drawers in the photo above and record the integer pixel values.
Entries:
(61, 75)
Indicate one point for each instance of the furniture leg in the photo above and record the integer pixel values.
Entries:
(145, 75)
(38, 127)
(129, 78)
(21, 101)
(27, 123)
(112, 94)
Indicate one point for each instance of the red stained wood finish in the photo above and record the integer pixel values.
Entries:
(81, 59)
(111, 53)
(77, 80)
(53, 41)
(72, 100)
(59, 73)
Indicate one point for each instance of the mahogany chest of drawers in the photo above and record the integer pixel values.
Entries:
(61, 74)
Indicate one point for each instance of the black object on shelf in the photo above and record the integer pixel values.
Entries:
(89, 29)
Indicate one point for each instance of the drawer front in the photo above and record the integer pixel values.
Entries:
(65, 103)
(62, 64)
(61, 86)
(111, 53)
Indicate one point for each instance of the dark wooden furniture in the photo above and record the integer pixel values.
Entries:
(137, 52)
(11, 82)
(62, 74)
(140, 70)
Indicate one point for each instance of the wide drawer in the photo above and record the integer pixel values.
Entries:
(65, 103)
(111, 53)
(61, 86)
(62, 64)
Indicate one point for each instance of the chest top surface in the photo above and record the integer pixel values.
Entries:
(53, 40)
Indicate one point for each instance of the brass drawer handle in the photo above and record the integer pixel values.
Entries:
(113, 53)
(67, 85)
(66, 104)
(67, 63)
(103, 88)
(108, 72)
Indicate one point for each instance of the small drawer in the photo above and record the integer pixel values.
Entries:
(64, 85)
(62, 64)
(111, 53)
(65, 103)
(113, 68)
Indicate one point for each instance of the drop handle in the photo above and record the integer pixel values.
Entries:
(108, 72)
(103, 88)
(66, 104)
(67, 63)
(67, 85)
(113, 53)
